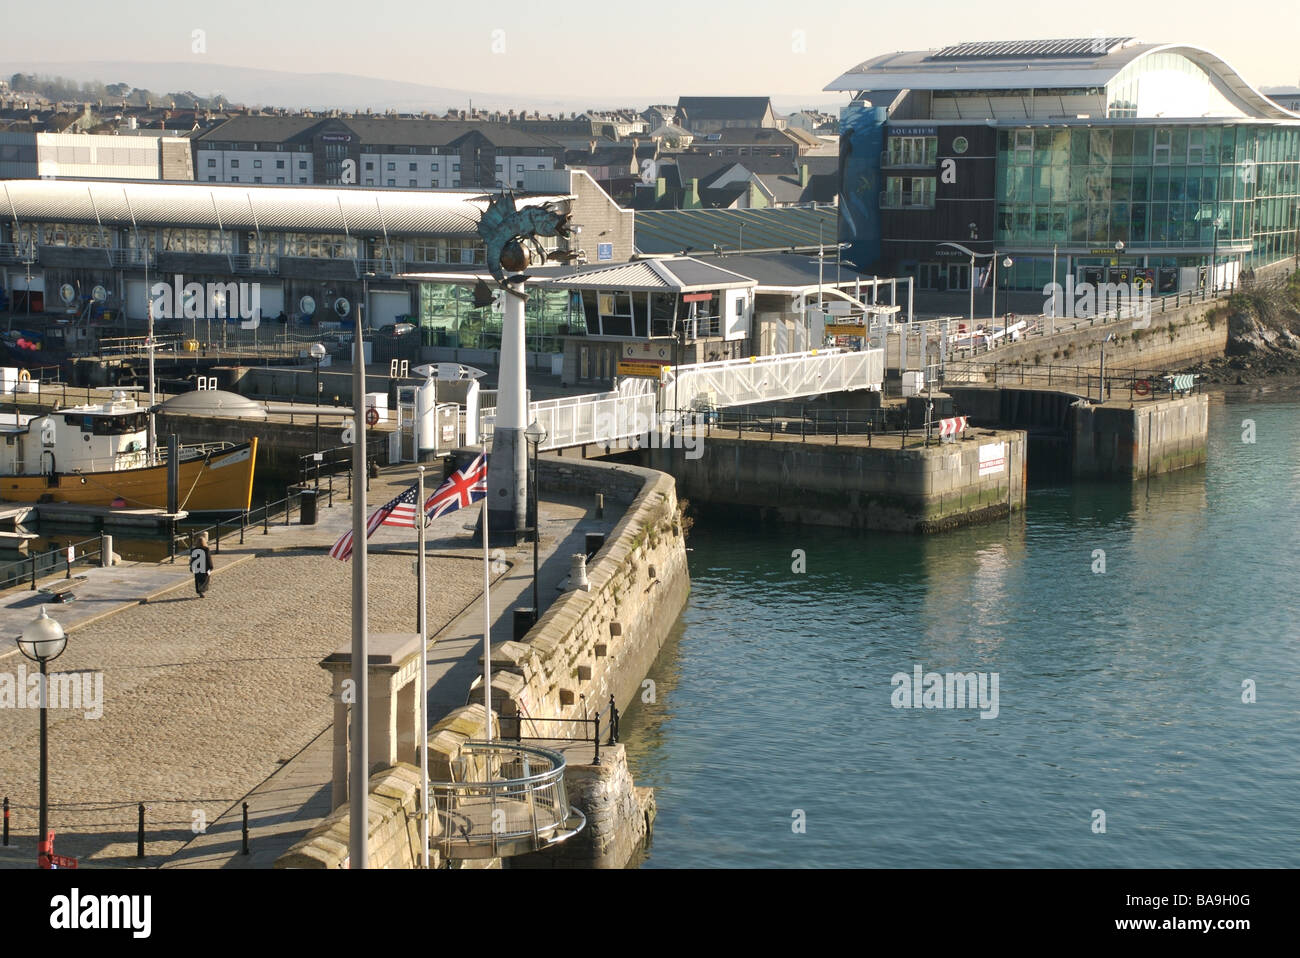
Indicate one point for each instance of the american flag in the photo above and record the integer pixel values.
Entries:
(398, 512)
(459, 489)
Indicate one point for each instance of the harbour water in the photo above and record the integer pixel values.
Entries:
(1120, 691)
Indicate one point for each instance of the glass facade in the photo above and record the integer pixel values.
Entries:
(448, 317)
(1158, 189)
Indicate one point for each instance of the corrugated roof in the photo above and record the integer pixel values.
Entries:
(236, 206)
(671, 231)
(679, 273)
(376, 130)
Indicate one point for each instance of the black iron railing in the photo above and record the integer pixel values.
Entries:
(584, 729)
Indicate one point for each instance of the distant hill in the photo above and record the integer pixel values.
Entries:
(343, 91)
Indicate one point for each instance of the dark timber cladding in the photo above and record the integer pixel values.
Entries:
(963, 193)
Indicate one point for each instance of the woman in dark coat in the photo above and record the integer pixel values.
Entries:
(201, 564)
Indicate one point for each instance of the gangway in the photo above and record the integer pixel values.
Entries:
(638, 405)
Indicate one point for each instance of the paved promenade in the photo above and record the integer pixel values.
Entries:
(210, 703)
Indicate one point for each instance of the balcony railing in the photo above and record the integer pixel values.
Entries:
(17, 253)
(888, 159)
(907, 200)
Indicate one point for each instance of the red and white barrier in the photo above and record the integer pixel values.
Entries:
(950, 427)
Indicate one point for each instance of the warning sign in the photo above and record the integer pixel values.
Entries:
(993, 458)
(639, 367)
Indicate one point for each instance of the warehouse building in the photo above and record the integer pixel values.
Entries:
(1097, 158)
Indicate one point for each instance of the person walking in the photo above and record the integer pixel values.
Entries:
(201, 564)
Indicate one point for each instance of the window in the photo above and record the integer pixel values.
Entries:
(370, 181)
(412, 183)
(279, 179)
(257, 179)
(455, 168)
(392, 182)
(257, 164)
(234, 179)
(519, 184)
(1195, 147)
(302, 165)
(1164, 139)
(279, 165)
(541, 166)
(908, 192)
(498, 167)
(211, 163)
(234, 164)
(519, 167)
(434, 167)
(912, 150)
(455, 183)
(302, 179)
(369, 165)
(212, 179)
(411, 167)
(392, 166)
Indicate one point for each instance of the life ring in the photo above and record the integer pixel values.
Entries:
(372, 416)
(1142, 387)
(24, 376)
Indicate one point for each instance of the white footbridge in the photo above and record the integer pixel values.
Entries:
(687, 393)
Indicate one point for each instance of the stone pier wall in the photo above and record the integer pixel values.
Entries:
(1119, 442)
(853, 485)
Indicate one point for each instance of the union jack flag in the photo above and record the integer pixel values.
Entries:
(459, 489)
(399, 512)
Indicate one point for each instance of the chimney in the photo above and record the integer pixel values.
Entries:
(691, 200)
(591, 145)
(804, 175)
(661, 189)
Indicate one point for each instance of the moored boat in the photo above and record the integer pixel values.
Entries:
(97, 454)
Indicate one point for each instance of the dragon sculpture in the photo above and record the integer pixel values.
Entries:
(510, 232)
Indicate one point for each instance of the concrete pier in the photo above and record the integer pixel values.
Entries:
(884, 482)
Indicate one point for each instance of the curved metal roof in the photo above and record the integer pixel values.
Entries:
(1039, 65)
(293, 209)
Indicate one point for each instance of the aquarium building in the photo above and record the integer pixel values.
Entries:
(1098, 157)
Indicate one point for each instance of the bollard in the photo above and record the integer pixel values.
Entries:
(600, 505)
(171, 525)
(105, 550)
(218, 531)
(6, 835)
(613, 722)
(578, 573)
(266, 516)
(139, 832)
(33, 573)
(288, 505)
(243, 522)
(349, 485)
(331, 490)
(67, 562)
(245, 850)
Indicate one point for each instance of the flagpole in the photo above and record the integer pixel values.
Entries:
(359, 792)
(422, 626)
(487, 625)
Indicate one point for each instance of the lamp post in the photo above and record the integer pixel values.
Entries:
(1006, 284)
(1214, 257)
(1101, 385)
(993, 285)
(42, 641)
(317, 351)
(536, 435)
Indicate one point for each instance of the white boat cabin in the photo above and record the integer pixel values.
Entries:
(101, 437)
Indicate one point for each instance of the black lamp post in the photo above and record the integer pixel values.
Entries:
(535, 435)
(42, 641)
(317, 352)
(1006, 285)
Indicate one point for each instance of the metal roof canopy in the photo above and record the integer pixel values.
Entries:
(253, 207)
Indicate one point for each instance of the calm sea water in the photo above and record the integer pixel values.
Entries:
(1120, 692)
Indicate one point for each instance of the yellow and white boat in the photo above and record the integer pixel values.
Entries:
(98, 455)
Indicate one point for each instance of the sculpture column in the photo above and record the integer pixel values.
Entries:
(508, 461)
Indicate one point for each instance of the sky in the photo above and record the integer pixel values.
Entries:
(683, 47)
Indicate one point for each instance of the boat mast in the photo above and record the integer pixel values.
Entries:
(148, 299)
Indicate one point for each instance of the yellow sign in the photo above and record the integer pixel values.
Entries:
(850, 329)
(639, 367)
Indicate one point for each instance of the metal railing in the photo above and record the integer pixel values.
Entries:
(44, 564)
(585, 729)
(505, 799)
(1130, 383)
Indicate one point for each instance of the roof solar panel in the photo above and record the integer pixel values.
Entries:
(1010, 49)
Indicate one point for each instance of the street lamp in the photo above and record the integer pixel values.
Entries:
(1006, 283)
(1214, 257)
(1101, 386)
(43, 641)
(536, 435)
(317, 351)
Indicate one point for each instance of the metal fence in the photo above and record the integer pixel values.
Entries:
(1130, 383)
(86, 552)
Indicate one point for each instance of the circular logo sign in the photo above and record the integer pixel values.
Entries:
(960, 144)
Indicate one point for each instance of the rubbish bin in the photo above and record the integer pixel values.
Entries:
(307, 505)
(523, 621)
